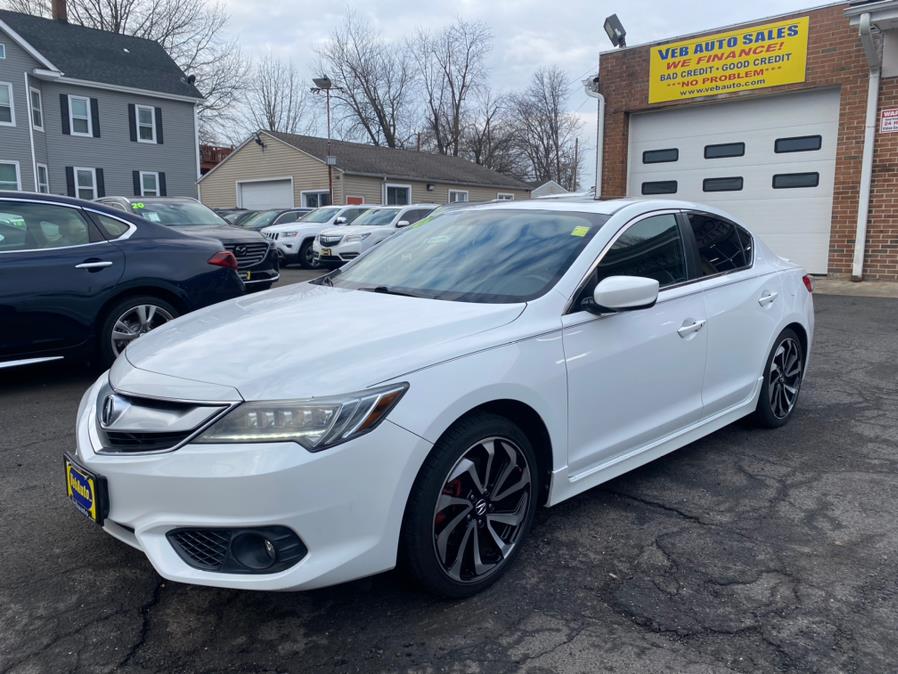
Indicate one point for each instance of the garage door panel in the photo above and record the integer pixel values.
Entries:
(263, 194)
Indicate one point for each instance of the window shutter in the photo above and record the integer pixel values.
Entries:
(95, 116)
(101, 183)
(70, 181)
(135, 181)
(64, 111)
(158, 125)
(132, 124)
(163, 191)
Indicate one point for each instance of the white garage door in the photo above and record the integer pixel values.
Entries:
(263, 194)
(769, 161)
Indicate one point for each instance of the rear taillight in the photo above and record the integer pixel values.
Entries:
(224, 258)
(808, 282)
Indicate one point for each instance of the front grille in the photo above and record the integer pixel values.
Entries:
(248, 254)
(206, 548)
(129, 441)
(271, 235)
(330, 240)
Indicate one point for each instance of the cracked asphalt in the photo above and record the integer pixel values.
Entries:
(747, 551)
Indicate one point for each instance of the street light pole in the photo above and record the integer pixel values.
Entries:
(324, 84)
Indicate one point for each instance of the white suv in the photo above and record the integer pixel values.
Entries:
(342, 245)
(294, 239)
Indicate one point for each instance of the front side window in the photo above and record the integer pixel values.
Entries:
(457, 195)
(149, 184)
(9, 176)
(37, 110)
(398, 195)
(85, 183)
(352, 214)
(79, 116)
(721, 244)
(377, 216)
(27, 226)
(146, 123)
(7, 112)
(43, 179)
(491, 256)
(652, 248)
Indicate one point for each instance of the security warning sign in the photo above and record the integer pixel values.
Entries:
(750, 58)
(889, 121)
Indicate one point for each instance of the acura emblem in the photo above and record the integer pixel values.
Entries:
(113, 408)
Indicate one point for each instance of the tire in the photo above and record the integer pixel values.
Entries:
(307, 259)
(783, 375)
(449, 519)
(125, 317)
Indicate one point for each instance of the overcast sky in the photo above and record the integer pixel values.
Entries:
(527, 33)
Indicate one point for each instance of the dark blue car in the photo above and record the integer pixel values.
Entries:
(79, 279)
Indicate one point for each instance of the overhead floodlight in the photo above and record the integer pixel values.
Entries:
(323, 82)
(616, 31)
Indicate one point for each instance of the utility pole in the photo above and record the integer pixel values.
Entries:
(576, 164)
(324, 84)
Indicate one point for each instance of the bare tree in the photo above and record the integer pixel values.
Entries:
(544, 133)
(451, 67)
(374, 82)
(189, 30)
(277, 98)
(489, 138)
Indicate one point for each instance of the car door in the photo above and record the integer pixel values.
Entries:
(53, 279)
(635, 377)
(744, 309)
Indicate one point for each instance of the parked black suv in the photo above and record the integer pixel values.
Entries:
(257, 259)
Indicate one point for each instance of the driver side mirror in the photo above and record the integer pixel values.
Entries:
(340, 221)
(403, 223)
(624, 293)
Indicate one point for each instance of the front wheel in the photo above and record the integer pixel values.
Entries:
(471, 507)
(130, 319)
(783, 375)
(307, 257)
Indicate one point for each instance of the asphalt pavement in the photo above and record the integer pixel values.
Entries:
(747, 551)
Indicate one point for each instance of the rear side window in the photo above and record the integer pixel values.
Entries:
(111, 227)
(722, 245)
(652, 248)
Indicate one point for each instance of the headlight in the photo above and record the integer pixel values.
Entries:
(315, 423)
(357, 237)
(288, 235)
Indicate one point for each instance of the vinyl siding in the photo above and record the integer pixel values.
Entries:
(372, 190)
(15, 143)
(218, 189)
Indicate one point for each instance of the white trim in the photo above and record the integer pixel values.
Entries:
(502, 196)
(31, 133)
(383, 199)
(23, 43)
(143, 191)
(18, 172)
(90, 121)
(196, 145)
(78, 188)
(40, 97)
(238, 183)
(137, 124)
(303, 193)
(37, 182)
(12, 105)
(114, 87)
(452, 191)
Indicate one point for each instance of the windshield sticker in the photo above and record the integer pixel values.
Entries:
(138, 205)
(582, 230)
(152, 217)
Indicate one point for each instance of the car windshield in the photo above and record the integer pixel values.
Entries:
(376, 216)
(260, 219)
(176, 213)
(495, 256)
(319, 215)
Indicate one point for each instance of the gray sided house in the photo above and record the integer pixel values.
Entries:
(283, 170)
(88, 113)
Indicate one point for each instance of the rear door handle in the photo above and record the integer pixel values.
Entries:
(768, 297)
(690, 327)
(97, 264)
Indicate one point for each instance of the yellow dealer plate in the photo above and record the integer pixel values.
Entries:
(86, 490)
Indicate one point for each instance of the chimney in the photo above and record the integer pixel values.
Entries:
(59, 11)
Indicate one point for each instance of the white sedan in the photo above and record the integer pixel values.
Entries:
(420, 403)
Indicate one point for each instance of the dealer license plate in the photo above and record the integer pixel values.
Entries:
(326, 252)
(86, 490)
(246, 275)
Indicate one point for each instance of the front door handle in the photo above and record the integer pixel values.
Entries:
(769, 297)
(690, 327)
(94, 264)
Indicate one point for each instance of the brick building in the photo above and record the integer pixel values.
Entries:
(769, 120)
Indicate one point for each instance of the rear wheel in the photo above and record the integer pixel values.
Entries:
(130, 319)
(783, 375)
(471, 506)
(307, 257)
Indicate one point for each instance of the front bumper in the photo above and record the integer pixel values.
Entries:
(345, 503)
(264, 272)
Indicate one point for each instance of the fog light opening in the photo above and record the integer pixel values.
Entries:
(253, 551)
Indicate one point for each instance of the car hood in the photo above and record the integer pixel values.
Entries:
(310, 340)
(346, 230)
(224, 233)
(295, 227)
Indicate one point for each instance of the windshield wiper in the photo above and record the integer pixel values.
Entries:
(388, 291)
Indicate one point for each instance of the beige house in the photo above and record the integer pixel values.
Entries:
(281, 170)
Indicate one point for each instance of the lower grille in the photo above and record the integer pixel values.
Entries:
(248, 254)
(207, 548)
(130, 441)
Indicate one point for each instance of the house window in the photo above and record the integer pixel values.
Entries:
(149, 184)
(660, 156)
(79, 116)
(397, 195)
(457, 195)
(722, 184)
(146, 123)
(724, 150)
(85, 183)
(316, 199)
(37, 110)
(785, 181)
(504, 196)
(7, 111)
(9, 175)
(43, 179)
(660, 187)
(2, 51)
(798, 144)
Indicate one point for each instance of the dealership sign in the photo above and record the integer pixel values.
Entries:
(750, 58)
